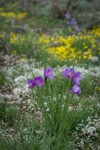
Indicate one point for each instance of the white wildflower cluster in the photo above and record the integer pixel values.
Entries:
(87, 132)
(91, 71)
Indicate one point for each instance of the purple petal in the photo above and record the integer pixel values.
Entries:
(31, 84)
(77, 28)
(73, 21)
(76, 77)
(38, 81)
(67, 15)
(68, 73)
(48, 73)
(76, 89)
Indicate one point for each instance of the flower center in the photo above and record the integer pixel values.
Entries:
(30, 84)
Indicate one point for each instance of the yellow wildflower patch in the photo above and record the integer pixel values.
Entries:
(13, 15)
(16, 38)
(75, 47)
(95, 32)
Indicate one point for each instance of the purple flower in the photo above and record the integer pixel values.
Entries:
(48, 73)
(68, 73)
(76, 78)
(67, 15)
(73, 21)
(38, 81)
(76, 89)
(77, 28)
(31, 84)
(74, 32)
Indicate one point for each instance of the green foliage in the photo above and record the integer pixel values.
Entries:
(88, 86)
(8, 114)
(52, 129)
(2, 78)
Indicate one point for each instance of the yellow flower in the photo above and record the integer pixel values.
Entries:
(8, 14)
(84, 57)
(48, 58)
(22, 59)
(21, 15)
(13, 15)
(14, 52)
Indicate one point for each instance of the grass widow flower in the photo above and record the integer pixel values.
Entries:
(77, 28)
(67, 15)
(31, 84)
(48, 73)
(68, 73)
(38, 81)
(73, 22)
(76, 89)
(76, 78)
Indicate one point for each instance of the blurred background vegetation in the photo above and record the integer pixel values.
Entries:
(24, 21)
(87, 11)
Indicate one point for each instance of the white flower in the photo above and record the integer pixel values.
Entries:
(91, 130)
